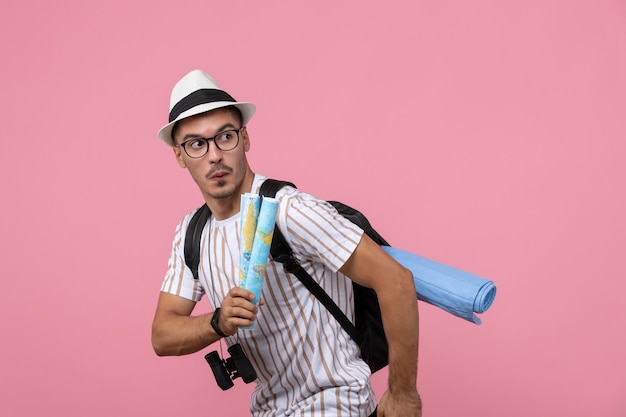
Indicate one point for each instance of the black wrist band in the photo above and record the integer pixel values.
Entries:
(214, 324)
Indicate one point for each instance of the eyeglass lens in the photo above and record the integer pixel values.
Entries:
(225, 141)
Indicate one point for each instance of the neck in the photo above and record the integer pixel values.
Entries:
(224, 208)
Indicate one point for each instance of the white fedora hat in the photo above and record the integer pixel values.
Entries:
(197, 92)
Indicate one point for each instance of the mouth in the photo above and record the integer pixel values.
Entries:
(218, 175)
(219, 172)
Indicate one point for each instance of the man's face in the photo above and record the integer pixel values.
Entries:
(219, 174)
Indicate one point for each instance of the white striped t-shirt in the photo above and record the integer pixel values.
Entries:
(307, 365)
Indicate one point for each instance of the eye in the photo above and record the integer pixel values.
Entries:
(225, 136)
(195, 144)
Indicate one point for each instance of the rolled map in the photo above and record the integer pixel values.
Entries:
(248, 220)
(259, 256)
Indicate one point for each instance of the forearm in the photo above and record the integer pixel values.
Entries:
(372, 267)
(401, 322)
(174, 335)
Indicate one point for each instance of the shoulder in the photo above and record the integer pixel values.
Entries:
(298, 201)
(183, 224)
(320, 218)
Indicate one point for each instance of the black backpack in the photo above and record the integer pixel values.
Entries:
(368, 330)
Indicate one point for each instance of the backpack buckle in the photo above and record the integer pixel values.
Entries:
(290, 263)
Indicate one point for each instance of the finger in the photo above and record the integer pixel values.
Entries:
(244, 312)
(235, 318)
(238, 302)
(238, 292)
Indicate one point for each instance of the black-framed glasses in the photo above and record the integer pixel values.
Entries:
(225, 141)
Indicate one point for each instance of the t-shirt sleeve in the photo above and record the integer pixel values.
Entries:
(179, 278)
(315, 230)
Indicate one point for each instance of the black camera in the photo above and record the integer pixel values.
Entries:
(238, 365)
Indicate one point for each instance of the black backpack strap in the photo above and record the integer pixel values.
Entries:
(360, 220)
(281, 252)
(270, 187)
(192, 238)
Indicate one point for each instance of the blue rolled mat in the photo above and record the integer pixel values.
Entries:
(451, 289)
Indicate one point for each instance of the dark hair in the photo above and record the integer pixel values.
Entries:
(234, 111)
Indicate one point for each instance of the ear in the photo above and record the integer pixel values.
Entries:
(179, 157)
(245, 138)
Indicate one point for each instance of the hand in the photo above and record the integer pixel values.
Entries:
(406, 404)
(237, 310)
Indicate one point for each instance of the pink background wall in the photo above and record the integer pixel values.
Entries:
(488, 135)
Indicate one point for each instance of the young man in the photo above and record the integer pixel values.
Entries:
(306, 364)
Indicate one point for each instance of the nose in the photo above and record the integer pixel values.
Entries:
(214, 153)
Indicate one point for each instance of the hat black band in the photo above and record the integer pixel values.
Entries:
(203, 96)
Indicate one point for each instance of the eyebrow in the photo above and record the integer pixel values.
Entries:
(195, 135)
